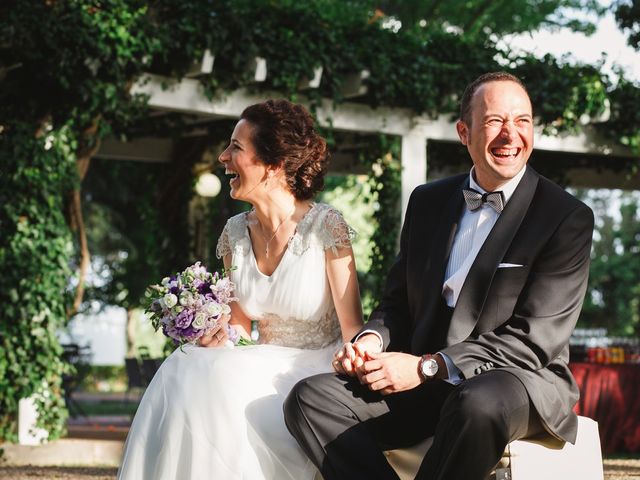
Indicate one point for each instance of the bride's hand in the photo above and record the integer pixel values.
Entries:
(350, 359)
(218, 336)
(347, 359)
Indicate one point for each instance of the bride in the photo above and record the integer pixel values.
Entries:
(216, 413)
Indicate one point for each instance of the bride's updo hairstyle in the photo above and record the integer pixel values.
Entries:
(283, 134)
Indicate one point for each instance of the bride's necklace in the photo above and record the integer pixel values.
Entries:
(275, 232)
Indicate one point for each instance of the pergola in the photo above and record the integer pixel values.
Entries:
(187, 96)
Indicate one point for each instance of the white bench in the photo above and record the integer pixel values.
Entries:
(528, 459)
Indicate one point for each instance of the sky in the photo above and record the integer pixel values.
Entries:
(608, 39)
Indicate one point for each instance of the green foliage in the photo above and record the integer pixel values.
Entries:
(372, 208)
(101, 378)
(63, 65)
(627, 13)
(563, 95)
(386, 184)
(613, 298)
(35, 250)
(72, 60)
(139, 235)
(481, 17)
(348, 193)
(109, 407)
(624, 122)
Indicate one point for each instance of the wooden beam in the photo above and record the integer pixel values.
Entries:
(204, 66)
(187, 96)
(146, 149)
(314, 82)
(353, 84)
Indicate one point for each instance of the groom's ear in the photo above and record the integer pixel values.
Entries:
(463, 132)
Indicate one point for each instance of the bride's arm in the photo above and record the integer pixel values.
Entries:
(239, 320)
(343, 281)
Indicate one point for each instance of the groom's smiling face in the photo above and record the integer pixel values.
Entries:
(499, 135)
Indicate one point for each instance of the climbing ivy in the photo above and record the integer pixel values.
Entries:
(35, 251)
(383, 160)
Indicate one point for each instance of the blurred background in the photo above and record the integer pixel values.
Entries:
(113, 114)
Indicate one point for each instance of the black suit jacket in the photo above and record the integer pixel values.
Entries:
(518, 319)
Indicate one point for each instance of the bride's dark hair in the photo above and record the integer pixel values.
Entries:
(284, 135)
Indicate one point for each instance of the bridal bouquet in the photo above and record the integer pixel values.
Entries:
(189, 304)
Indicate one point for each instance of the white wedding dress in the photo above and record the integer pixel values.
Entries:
(216, 413)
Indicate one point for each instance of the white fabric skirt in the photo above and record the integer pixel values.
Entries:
(216, 413)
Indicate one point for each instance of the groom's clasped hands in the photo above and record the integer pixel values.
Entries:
(386, 372)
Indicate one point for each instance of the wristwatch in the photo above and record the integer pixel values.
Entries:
(428, 367)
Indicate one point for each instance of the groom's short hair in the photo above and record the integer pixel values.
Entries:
(467, 96)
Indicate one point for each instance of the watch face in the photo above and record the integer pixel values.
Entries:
(429, 367)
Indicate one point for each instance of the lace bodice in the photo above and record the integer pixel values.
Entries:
(293, 305)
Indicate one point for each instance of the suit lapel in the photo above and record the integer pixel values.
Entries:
(436, 265)
(476, 286)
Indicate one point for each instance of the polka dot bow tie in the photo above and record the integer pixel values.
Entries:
(476, 199)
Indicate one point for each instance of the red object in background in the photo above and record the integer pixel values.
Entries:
(610, 394)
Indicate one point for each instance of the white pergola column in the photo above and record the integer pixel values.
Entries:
(414, 163)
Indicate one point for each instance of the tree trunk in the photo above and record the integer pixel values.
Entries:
(131, 333)
(90, 143)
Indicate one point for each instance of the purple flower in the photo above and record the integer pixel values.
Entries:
(190, 333)
(195, 290)
(156, 307)
(204, 288)
(184, 318)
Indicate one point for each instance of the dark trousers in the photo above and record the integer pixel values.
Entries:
(344, 427)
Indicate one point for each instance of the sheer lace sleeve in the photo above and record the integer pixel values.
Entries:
(335, 231)
(233, 238)
(224, 245)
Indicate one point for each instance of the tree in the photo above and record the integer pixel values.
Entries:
(613, 297)
(65, 69)
(485, 17)
(627, 13)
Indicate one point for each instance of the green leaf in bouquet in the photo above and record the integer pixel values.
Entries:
(243, 342)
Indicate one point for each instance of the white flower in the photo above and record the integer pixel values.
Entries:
(170, 300)
(198, 271)
(226, 309)
(187, 298)
(165, 281)
(214, 309)
(199, 322)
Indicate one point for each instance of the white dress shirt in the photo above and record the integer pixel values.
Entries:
(474, 229)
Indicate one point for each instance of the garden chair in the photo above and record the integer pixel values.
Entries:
(135, 378)
(149, 368)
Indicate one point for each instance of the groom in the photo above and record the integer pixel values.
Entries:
(470, 341)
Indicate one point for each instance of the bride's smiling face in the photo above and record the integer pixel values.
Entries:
(240, 161)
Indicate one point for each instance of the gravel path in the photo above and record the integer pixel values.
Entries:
(613, 470)
(622, 469)
(57, 473)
